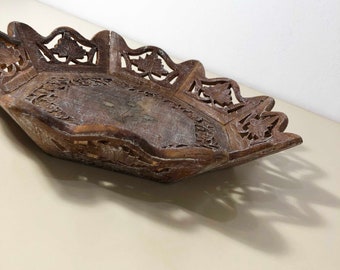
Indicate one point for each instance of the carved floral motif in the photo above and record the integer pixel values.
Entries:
(91, 81)
(211, 112)
(70, 48)
(45, 97)
(151, 63)
(217, 94)
(256, 128)
(8, 55)
(11, 60)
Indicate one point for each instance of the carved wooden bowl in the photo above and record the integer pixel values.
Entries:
(132, 110)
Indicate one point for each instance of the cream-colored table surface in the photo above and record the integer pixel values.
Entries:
(280, 212)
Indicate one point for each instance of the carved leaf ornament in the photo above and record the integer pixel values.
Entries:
(69, 48)
(131, 110)
(151, 64)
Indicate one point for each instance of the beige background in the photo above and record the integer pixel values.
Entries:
(280, 212)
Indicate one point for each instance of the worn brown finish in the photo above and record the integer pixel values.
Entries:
(132, 110)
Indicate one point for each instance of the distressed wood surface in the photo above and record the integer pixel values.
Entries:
(132, 110)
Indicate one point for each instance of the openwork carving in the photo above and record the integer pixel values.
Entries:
(91, 81)
(69, 47)
(150, 63)
(12, 58)
(221, 94)
(255, 128)
(133, 110)
(46, 96)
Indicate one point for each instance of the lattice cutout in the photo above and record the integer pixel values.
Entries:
(150, 63)
(221, 94)
(12, 60)
(260, 127)
(69, 48)
(220, 127)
